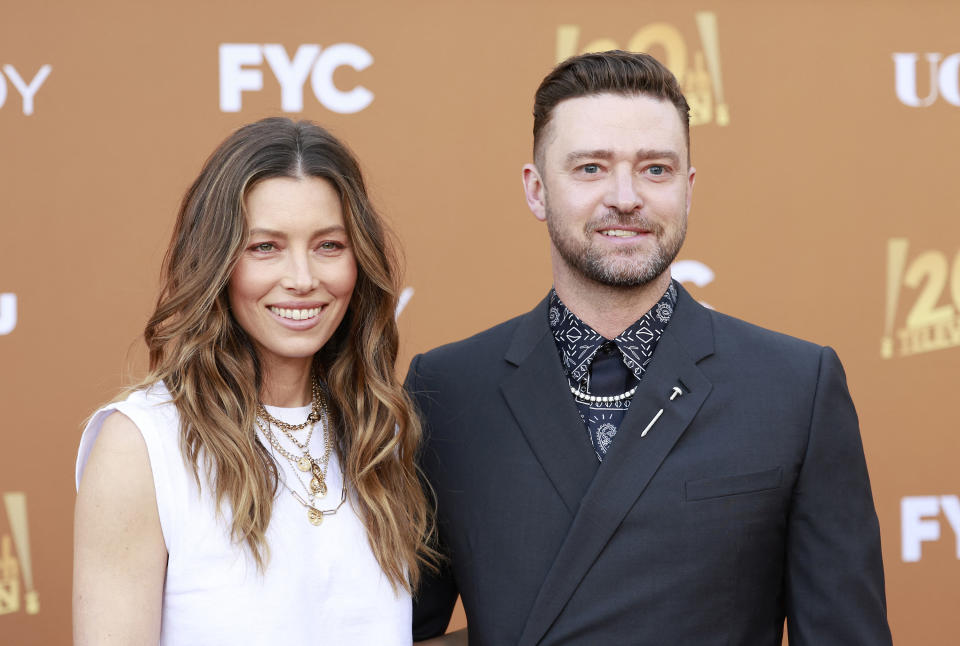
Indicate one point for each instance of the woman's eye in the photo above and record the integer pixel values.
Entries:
(330, 245)
(263, 246)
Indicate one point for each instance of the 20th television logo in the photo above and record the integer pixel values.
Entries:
(700, 76)
(933, 280)
(17, 591)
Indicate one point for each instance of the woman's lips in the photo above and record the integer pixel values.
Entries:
(295, 313)
(296, 318)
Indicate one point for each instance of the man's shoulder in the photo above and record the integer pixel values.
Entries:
(708, 330)
(755, 348)
(731, 327)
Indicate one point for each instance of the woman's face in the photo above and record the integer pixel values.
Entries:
(292, 285)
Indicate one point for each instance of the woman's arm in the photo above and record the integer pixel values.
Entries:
(120, 559)
(457, 638)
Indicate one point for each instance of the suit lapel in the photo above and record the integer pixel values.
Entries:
(632, 460)
(539, 398)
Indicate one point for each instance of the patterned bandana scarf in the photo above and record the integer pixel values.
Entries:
(578, 345)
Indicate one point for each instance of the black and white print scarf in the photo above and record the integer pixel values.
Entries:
(578, 344)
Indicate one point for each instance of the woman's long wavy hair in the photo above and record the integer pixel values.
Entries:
(209, 365)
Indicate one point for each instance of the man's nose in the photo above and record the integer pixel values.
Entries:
(623, 194)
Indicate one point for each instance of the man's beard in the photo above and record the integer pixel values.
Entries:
(617, 268)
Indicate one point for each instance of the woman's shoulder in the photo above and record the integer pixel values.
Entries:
(151, 397)
(149, 408)
(120, 543)
(115, 452)
(146, 416)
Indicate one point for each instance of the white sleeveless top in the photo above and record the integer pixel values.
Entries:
(322, 584)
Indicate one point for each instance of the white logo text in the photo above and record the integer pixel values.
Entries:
(27, 90)
(239, 73)
(944, 79)
(8, 313)
(919, 518)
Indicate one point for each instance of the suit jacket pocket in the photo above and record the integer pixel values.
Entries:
(732, 485)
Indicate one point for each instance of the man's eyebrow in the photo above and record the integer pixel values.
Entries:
(643, 154)
(580, 155)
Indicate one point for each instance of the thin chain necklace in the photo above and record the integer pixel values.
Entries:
(317, 406)
(314, 515)
(305, 462)
(318, 484)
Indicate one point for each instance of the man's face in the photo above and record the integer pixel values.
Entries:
(614, 187)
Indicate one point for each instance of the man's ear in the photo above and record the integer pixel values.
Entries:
(691, 176)
(535, 191)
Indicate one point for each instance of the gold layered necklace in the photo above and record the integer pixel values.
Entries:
(317, 467)
(314, 515)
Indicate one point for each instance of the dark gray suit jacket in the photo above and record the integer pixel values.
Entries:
(746, 503)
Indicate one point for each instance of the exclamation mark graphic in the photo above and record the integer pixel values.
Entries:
(16, 504)
(8, 313)
(710, 37)
(896, 261)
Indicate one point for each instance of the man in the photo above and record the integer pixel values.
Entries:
(622, 465)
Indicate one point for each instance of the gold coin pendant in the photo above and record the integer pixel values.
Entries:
(318, 487)
(314, 516)
(304, 463)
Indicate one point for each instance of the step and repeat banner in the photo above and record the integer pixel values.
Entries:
(825, 137)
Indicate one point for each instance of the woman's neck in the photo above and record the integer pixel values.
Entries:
(286, 384)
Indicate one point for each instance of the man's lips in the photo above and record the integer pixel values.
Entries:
(624, 232)
(621, 232)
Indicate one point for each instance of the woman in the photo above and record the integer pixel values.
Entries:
(259, 485)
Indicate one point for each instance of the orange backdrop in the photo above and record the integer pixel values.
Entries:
(826, 206)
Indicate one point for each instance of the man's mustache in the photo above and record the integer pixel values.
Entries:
(617, 218)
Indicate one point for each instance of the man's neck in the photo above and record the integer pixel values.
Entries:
(608, 310)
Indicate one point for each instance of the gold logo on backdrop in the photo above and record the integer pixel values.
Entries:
(701, 78)
(15, 563)
(931, 324)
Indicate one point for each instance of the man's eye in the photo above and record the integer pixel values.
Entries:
(657, 170)
(591, 169)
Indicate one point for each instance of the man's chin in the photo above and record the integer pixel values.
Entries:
(624, 275)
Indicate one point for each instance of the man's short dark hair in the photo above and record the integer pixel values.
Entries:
(612, 72)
